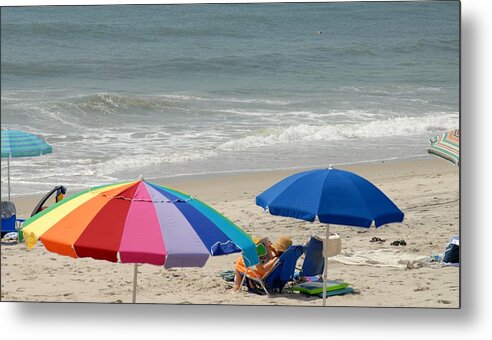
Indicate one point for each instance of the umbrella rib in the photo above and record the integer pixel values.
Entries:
(363, 201)
(358, 193)
(321, 194)
(295, 181)
(147, 200)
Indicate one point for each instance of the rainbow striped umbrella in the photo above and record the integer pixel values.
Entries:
(138, 222)
(21, 144)
(447, 146)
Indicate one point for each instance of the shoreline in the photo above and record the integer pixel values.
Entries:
(427, 191)
(203, 177)
(180, 178)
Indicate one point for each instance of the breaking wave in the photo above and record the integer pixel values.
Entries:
(392, 127)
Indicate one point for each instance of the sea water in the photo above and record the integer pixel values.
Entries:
(173, 90)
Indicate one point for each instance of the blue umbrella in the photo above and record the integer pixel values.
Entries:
(21, 144)
(333, 197)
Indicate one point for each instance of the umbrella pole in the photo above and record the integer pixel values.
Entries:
(243, 279)
(325, 269)
(135, 272)
(8, 176)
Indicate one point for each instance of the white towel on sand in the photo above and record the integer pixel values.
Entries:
(383, 258)
(10, 236)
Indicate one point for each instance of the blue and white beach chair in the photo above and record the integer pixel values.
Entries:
(279, 276)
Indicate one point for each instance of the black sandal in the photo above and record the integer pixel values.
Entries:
(399, 243)
(377, 239)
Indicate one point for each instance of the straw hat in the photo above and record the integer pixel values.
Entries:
(282, 243)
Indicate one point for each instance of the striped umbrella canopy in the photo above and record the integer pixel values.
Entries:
(21, 144)
(138, 222)
(447, 146)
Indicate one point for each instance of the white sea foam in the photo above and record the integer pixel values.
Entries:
(392, 127)
(225, 99)
(133, 162)
(404, 90)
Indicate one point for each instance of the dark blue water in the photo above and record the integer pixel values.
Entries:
(179, 89)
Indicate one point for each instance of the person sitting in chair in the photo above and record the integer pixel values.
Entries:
(274, 251)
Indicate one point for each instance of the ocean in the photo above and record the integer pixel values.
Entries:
(173, 90)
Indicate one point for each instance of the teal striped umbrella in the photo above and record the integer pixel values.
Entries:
(21, 144)
(447, 146)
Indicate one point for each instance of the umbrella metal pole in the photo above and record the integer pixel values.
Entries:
(243, 279)
(325, 269)
(8, 176)
(135, 272)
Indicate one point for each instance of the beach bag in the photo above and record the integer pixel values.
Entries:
(334, 245)
(452, 252)
(8, 217)
(8, 209)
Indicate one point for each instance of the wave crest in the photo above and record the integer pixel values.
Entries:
(392, 127)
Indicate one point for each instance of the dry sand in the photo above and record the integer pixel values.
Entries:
(426, 190)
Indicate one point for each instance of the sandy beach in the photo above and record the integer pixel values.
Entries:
(427, 191)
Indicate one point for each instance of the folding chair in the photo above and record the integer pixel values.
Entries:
(279, 276)
(314, 262)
